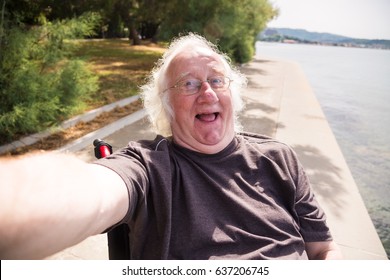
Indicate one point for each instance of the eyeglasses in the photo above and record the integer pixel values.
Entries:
(192, 86)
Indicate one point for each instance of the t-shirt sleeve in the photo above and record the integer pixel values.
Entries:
(130, 166)
(312, 218)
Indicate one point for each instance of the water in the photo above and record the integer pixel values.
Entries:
(353, 88)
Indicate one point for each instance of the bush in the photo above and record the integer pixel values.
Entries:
(40, 84)
(243, 50)
(76, 84)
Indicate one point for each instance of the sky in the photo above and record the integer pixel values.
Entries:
(364, 19)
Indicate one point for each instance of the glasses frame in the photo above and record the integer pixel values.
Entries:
(227, 81)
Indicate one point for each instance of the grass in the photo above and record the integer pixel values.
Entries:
(121, 67)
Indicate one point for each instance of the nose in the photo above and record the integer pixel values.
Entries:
(207, 94)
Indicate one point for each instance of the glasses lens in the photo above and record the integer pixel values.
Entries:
(218, 82)
(189, 86)
(192, 86)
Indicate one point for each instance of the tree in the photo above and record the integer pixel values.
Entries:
(233, 24)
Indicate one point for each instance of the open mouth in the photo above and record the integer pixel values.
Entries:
(207, 117)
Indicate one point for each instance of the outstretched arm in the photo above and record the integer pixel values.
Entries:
(49, 202)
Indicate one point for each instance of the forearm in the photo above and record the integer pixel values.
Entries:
(327, 250)
(50, 202)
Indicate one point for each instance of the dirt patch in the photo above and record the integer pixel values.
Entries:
(61, 138)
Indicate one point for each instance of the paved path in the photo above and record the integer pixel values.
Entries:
(279, 103)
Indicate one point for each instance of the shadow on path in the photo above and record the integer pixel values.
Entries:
(325, 176)
(256, 118)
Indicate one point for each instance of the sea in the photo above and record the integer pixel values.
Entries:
(352, 86)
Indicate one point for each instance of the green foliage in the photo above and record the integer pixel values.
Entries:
(76, 84)
(39, 83)
(233, 24)
(243, 51)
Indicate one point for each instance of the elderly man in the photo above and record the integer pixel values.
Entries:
(200, 190)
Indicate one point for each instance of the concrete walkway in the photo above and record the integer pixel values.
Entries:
(279, 103)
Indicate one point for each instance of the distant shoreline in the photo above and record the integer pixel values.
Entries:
(327, 44)
(301, 36)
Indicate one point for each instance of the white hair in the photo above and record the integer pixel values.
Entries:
(156, 100)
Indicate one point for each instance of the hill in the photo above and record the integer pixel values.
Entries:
(304, 36)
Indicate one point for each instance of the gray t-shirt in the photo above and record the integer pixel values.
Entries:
(252, 200)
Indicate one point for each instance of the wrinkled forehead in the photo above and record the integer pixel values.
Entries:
(195, 62)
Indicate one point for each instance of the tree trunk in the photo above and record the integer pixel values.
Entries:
(133, 35)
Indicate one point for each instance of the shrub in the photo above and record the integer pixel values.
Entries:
(40, 84)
